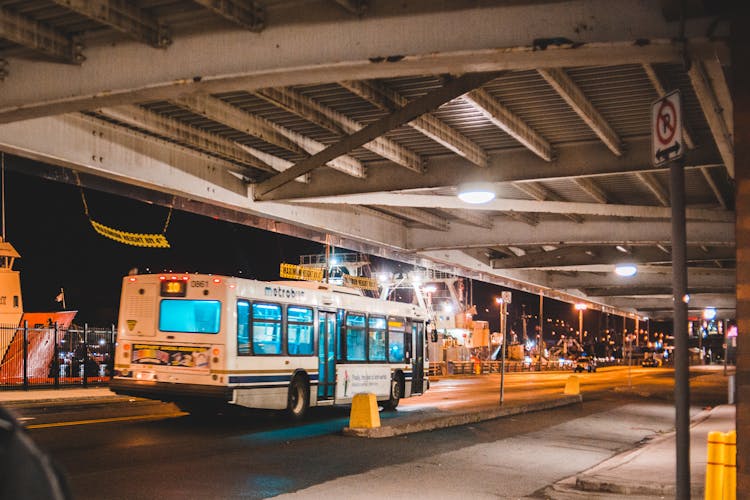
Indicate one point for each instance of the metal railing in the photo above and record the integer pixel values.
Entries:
(51, 356)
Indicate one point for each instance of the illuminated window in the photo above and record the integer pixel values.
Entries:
(376, 338)
(266, 328)
(396, 334)
(299, 328)
(189, 316)
(355, 337)
(243, 328)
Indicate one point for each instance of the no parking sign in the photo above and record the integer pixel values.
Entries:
(666, 129)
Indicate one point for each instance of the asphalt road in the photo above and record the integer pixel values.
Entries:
(138, 449)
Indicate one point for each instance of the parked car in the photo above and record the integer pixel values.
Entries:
(585, 363)
(651, 362)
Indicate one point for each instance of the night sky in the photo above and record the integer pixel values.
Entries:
(46, 223)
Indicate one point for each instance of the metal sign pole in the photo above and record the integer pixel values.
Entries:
(503, 305)
(680, 298)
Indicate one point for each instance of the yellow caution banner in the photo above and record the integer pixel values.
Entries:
(135, 239)
(360, 282)
(295, 272)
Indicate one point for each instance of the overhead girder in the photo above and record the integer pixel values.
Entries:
(589, 255)
(39, 37)
(239, 59)
(573, 160)
(100, 148)
(598, 232)
(233, 117)
(515, 205)
(415, 108)
(698, 278)
(540, 193)
(248, 14)
(428, 124)
(576, 99)
(184, 134)
(510, 123)
(125, 17)
(340, 124)
(714, 114)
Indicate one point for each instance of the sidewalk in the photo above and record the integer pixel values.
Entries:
(15, 397)
(649, 470)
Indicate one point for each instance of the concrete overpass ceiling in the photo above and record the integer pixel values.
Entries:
(202, 105)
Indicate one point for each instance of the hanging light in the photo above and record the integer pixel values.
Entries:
(626, 270)
(476, 193)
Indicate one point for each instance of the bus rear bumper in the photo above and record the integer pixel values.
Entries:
(167, 391)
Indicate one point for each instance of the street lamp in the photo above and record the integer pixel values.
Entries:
(503, 308)
(580, 307)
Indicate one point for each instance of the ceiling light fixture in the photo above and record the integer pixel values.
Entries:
(626, 270)
(476, 193)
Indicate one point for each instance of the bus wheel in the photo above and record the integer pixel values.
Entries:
(298, 400)
(392, 402)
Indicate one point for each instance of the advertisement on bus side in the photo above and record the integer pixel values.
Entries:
(170, 355)
(355, 379)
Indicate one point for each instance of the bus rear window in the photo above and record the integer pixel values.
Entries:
(189, 316)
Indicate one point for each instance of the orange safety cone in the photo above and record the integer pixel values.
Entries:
(715, 466)
(730, 466)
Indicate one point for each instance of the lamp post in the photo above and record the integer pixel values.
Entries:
(580, 307)
(503, 307)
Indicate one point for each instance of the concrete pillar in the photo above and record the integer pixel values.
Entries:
(741, 96)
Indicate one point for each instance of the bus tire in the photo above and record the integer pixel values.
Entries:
(397, 390)
(298, 400)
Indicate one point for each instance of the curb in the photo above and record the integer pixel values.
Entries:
(453, 420)
(588, 482)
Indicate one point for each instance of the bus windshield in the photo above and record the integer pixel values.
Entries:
(189, 316)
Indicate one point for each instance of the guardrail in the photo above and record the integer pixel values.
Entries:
(50, 356)
(488, 367)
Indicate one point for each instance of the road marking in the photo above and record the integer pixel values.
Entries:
(105, 420)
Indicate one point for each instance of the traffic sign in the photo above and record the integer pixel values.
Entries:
(506, 296)
(666, 129)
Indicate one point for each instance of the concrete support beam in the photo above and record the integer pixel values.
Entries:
(248, 14)
(714, 114)
(336, 122)
(515, 205)
(102, 149)
(231, 116)
(573, 160)
(571, 233)
(652, 183)
(417, 215)
(125, 17)
(510, 123)
(416, 108)
(591, 188)
(184, 134)
(39, 37)
(427, 124)
(576, 99)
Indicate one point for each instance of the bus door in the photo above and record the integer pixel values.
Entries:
(417, 367)
(326, 355)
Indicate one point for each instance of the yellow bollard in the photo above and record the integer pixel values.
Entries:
(730, 466)
(715, 466)
(573, 385)
(364, 414)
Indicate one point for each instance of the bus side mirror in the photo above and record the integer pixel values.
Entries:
(433, 336)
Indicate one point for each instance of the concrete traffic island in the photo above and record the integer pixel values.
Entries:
(409, 424)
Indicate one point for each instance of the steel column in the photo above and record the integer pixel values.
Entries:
(680, 298)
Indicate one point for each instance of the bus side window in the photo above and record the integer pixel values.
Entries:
(266, 328)
(299, 331)
(243, 328)
(395, 340)
(355, 337)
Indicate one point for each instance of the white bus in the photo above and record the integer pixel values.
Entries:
(203, 340)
